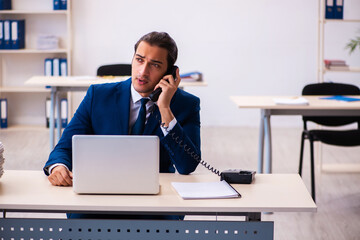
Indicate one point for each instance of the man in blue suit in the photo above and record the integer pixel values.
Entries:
(113, 109)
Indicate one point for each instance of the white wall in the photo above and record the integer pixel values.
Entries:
(259, 47)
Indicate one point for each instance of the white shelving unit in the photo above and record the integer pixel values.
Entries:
(321, 42)
(26, 105)
(322, 70)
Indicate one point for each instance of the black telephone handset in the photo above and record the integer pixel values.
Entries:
(154, 96)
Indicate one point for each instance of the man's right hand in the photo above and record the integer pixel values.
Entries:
(60, 176)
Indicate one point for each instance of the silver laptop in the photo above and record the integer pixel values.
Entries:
(112, 164)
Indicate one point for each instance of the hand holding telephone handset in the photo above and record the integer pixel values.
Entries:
(154, 96)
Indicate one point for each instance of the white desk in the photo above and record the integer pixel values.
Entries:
(31, 191)
(72, 84)
(316, 107)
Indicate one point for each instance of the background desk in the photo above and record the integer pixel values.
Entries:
(73, 84)
(31, 191)
(316, 107)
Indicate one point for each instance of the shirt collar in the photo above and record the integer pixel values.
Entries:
(135, 96)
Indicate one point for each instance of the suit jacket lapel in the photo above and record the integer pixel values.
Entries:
(123, 106)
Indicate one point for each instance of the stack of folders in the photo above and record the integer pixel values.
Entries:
(47, 42)
(339, 65)
(63, 113)
(55, 67)
(12, 34)
(291, 101)
(191, 77)
(60, 4)
(3, 113)
(5, 4)
(334, 9)
(2, 159)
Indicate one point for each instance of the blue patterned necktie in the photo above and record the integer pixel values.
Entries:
(139, 125)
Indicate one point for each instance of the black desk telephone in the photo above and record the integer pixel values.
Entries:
(230, 176)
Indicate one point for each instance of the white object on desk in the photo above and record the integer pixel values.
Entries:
(205, 190)
(291, 101)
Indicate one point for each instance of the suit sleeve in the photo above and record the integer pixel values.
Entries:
(79, 124)
(183, 142)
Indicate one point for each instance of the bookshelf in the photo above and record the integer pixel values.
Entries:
(322, 70)
(26, 104)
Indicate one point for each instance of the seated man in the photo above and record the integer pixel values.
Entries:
(113, 109)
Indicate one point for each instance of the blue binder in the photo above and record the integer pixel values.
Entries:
(7, 34)
(329, 9)
(56, 4)
(339, 9)
(47, 111)
(48, 67)
(3, 113)
(17, 34)
(63, 67)
(64, 112)
(1, 34)
(56, 67)
(5, 4)
(63, 4)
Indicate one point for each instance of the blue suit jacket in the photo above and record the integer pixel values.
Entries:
(105, 111)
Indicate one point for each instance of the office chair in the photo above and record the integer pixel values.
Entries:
(331, 137)
(114, 70)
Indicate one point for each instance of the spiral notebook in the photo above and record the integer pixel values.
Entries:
(205, 190)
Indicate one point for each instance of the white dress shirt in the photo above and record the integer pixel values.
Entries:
(135, 105)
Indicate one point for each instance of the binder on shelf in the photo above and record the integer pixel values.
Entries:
(48, 67)
(1, 34)
(339, 9)
(63, 4)
(3, 113)
(47, 112)
(329, 9)
(64, 112)
(5, 4)
(63, 67)
(56, 67)
(56, 4)
(7, 34)
(17, 34)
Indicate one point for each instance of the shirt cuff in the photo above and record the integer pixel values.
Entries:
(55, 165)
(169, 128)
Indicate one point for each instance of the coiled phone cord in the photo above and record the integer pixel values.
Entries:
(193, 154)
(188, 150)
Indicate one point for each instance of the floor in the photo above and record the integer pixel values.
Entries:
(338, 194)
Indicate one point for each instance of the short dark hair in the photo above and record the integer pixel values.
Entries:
(163, 40)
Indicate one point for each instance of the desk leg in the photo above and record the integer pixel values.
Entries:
(253, 217)
(268, 145)
(261, 143)
(52, 117)
(58, 120)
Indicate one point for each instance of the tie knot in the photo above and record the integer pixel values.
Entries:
(144, 101)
